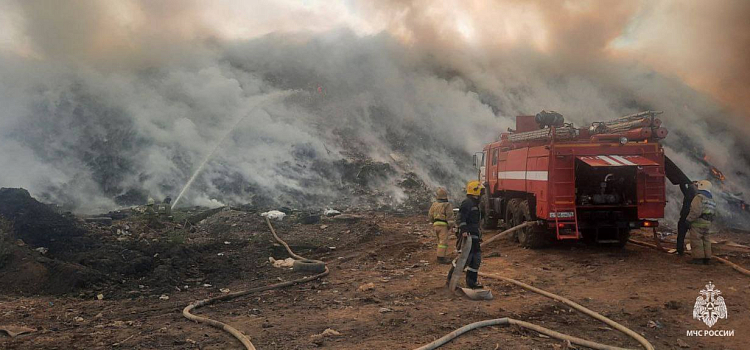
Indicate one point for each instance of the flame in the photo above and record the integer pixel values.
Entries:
(717, 174)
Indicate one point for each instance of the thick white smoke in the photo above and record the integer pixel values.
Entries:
(121, 109)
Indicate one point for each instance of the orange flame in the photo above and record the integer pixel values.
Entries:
(717, 174)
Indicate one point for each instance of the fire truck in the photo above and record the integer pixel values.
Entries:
(595, 183)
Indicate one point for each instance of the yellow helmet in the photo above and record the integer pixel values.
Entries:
(704, 185)
(474, 188)
(441, 194)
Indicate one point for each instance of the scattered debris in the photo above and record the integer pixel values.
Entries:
(164, 297)
(100, 296)
(224, 290)
(42, 250)
(655, 324)
(78, 319)
(385, 310)
(366, 287)
(331, 212)
(348, 217)
(317, 338)
(273, 215)
(288, 262)
(309, 219)
(14, 331)
(681, 343)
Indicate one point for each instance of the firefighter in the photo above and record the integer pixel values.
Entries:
(702, 211)
(688, 193)
(167, 208)
(150, 211)
(468, 228)
(441, 216)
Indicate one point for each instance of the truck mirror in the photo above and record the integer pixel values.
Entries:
(474, 159)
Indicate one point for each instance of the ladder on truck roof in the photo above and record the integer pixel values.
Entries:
(556, 170)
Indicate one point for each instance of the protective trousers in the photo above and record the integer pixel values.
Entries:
(682, 229)
(700, 243)
(473, 262)
(441, 232)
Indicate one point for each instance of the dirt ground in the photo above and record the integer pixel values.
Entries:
(648, 291)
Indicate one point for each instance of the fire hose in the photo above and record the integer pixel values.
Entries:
(509, 321)
(736, 267)
(231, 330)
(439, 342)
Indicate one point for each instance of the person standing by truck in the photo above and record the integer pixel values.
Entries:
(441, 216)
(688, 193)
(702, 211)
(468, 227)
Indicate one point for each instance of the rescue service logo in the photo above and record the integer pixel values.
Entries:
(710, 308)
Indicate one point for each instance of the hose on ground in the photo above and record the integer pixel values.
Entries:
(736, 267)
(510, 321)
(231, 330)
(640, 339)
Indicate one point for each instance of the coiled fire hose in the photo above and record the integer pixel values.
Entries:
(231, 330)
(509, 321)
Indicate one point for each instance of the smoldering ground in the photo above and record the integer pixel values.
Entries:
(123, 114)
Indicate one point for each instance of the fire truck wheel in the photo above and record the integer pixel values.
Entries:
(622, 238)
(487, 222)
(529, 237)
(510, 218)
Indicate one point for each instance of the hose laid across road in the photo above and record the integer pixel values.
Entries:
(231, 330)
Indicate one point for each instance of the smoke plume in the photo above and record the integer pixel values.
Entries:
(108, 102)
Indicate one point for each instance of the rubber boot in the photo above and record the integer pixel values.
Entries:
(471, 280)
(706, 261)
(696, 261)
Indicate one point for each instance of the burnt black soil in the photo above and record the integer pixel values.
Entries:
(135, 257)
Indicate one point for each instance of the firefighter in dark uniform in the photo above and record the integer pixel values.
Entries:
(688, 192)
(468, 227)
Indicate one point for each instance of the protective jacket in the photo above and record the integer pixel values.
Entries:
(441, 213)
(702, 210)
(469, 216)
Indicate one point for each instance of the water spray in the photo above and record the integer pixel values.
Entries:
(263, 101)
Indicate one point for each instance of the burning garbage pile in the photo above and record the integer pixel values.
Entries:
(738, 210)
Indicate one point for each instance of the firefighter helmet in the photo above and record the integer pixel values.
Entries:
(474, 188)
(441, 194)
(703, 185)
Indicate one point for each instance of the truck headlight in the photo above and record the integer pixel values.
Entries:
(623, 140)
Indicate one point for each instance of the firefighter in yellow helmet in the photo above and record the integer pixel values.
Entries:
(702, 212)
(441, 216)
(150, 210)
(468, 227)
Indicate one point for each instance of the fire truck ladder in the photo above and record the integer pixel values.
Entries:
(555, 169)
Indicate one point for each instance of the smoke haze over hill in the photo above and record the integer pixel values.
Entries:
(104, 100)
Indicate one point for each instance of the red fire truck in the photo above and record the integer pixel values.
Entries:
(595, 183)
